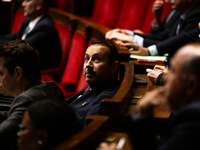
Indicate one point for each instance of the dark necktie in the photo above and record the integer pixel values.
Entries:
(179, 25)
(26, 31)
(86, 90)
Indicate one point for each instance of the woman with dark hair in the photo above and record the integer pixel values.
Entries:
(46, 124)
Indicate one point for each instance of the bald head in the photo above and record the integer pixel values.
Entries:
(183, 80)
(188, 58)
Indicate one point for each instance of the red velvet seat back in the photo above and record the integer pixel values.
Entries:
(106, 12)
(132, 14)
(81, 83)
(19, 17)
(75, 60)
(64, 36)
(62, 4)
(146, 24)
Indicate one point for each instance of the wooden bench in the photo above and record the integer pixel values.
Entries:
(115, 107)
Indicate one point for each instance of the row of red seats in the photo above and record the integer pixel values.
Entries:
(124, 14)
(69, 76)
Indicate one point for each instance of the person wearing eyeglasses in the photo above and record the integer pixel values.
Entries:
(46, 124)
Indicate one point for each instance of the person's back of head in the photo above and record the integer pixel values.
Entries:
(18, 53)
(56, 118)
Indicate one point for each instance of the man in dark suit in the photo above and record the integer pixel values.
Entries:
(101, 73)
(39, 30)
(168, 46)
(188, 20)
(181, 94)
(20, 78)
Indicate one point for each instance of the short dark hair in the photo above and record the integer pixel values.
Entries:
(20, 53)
(113, 53)
(56, 117)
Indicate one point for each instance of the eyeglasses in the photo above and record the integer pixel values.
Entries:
(22, 128)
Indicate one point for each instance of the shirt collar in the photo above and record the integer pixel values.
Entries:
(34, 22)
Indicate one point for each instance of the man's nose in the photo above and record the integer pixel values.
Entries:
(89, 63)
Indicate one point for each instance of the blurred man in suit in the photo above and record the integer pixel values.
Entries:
(39, 30)
(101, 74)
(179, 23)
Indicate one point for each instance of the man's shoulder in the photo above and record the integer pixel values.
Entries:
(42, 89)
(46, 19)
(189, 113)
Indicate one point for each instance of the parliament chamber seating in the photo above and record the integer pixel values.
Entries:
(148, 18)
(18, 19)
(89, 137)
(62, 4)
(131, 14)
(76, 34)
(105, 12)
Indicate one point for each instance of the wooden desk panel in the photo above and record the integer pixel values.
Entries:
(117, 136)
(140, 68)
(137, 91)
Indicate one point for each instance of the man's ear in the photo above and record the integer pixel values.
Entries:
(19, 73)
(42, 136)
(192, 84)
(39, 5)
(115, 66)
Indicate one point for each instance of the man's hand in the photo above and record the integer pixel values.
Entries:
(106, 146)
(120, 36)
(157, 10)
(153, 75)
(151, 100)
(136, 49)
(138, 31)
(109, 33)
(162, 69)
(155, 72)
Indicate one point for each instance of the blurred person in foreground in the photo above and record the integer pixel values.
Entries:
(46, 124)
(181, 94)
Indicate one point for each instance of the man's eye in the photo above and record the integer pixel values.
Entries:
(97, 59)
(86, 58)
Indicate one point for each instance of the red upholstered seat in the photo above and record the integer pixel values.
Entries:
(146, 24)
(19, 17)
(81, 83)
(71, 75)
(75, 61)
(64, 36)
(132, 14)
(62, 4)
(106, 12)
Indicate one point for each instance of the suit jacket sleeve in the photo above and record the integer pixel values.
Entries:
(9, 127)
(142, 130)
(190, 22)
(171, 45)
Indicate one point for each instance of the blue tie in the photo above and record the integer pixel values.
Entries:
(26, 31)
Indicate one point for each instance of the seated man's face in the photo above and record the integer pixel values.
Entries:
(97, 68)
(29, 7)
(7, 81)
